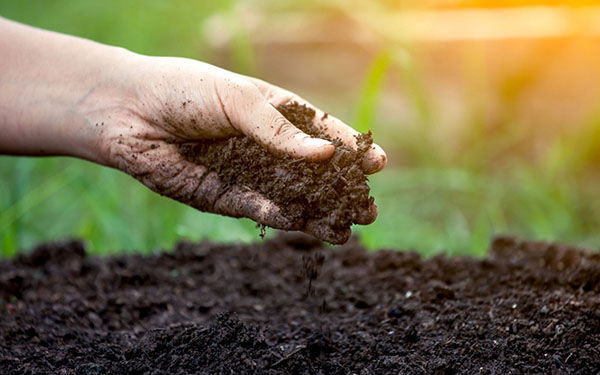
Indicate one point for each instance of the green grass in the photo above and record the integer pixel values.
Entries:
(167, 27)
(71, 198)
(459, 211)
(367, 103)
(425, 209)
(439, 200)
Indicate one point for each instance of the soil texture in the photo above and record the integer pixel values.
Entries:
(292, 306)
(334, 192)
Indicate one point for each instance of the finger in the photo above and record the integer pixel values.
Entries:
(368, 216)
(238, 202)
(374, 160)
(320, 229)
(281, 136)
(257, 118)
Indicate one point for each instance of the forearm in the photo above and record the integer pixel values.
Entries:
(48, 85)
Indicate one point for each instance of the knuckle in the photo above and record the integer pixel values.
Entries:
(244, 88)
(281, 98)
(206, 193)
(250, 204)
(284, 129)
(169, 181)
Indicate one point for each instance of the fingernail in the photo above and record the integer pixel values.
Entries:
(315, 142)
(368, 216)
(374, 160)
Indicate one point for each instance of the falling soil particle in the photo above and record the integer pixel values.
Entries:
(335, 191)
(221, 309)
(311, 265)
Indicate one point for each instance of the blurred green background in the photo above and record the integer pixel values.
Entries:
(491, 127)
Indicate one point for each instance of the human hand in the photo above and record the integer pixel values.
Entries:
(131, 112)
(174, 100)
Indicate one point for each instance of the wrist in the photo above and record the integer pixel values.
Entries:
(54, 89)
(104, 105)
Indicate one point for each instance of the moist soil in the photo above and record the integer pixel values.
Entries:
(334, 191)
(292, 306)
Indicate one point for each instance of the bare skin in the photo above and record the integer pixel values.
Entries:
(61, 95)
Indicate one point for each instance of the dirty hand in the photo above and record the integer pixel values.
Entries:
(174, 100)
(129, 111)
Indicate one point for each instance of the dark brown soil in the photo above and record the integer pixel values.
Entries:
(334, 191)
(235, 309)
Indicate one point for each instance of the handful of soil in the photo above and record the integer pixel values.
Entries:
(334, 191)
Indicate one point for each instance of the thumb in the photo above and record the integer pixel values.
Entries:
(267, 126)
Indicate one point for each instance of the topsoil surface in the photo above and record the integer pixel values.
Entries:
(291, 306)
(334, 191)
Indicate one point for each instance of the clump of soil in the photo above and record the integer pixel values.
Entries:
(212, 308)
(334, 191)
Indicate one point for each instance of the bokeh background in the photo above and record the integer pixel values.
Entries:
(489, 111)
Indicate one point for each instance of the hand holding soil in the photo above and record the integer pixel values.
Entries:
(216, 141)
(149, 117)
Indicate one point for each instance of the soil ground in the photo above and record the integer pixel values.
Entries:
(291, 306)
